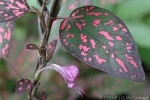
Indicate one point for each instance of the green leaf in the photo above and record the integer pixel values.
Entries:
(133, 8)
(140, 31)
(33, 3)
(144, 52)
(99, 38)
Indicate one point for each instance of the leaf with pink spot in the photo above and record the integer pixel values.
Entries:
(42, 95)
(11, 9)
(32, 47)
(6, 30)
(102, 40)
(23, 86)
(50, 49)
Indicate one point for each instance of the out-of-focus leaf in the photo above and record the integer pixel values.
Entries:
(133, 8)
(24, 61)
(11, 9)
(99, 38)
(42, 95)
(33, 3)
(32, 47)
(145, 56)
(23, 86)
(96, 2)
(102, 85)
(103, 3)
(6, 30)
(141, 34)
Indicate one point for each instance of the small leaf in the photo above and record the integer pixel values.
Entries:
(50, 50)
(23, 85)
(32, 47)
(6, 30)
(100, 39)
(11, 9)
(42, 95)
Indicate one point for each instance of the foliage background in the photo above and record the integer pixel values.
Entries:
(97, 84)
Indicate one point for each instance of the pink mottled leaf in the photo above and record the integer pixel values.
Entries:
(50, 50)
(6, 30)
(11, 9)
(42, 95)
(23, 86)
(32, 47)
(100, 39)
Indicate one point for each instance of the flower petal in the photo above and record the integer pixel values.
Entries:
(71, 72)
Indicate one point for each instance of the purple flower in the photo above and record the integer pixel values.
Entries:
(69, 74)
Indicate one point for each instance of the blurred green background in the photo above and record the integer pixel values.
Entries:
(136, 15)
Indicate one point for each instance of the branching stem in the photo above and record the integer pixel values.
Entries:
(45, 27)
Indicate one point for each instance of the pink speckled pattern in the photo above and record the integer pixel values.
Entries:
(9, 10)
(6, 30)
(101, 40)
(23, 86)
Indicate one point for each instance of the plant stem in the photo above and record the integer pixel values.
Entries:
(45, 26)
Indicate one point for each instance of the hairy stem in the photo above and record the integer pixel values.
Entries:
(45, 25)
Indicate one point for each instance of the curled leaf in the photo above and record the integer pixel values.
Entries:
(23, 86)
(32, 47)
(11, 9)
